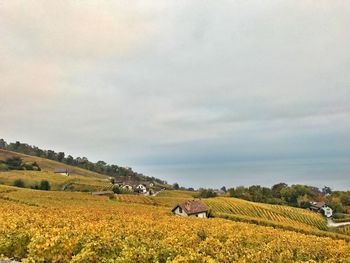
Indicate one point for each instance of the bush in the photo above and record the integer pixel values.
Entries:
(14, 163)
(19, 183)
(3, 167)
(339, 215)
(44, 185)
(31, 166)
(206, 193)
(118, 190)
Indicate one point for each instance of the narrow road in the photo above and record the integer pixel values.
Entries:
(331, 223)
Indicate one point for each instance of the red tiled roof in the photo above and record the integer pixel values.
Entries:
(192, 207)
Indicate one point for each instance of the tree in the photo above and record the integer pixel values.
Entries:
(44, 185)
(60, 156)
(206, 193)
(176, 186)
(51, 155)
(3, 144)
(19, 183)
(69, 159)
(277, 189)
(223, 189)
(326, 190)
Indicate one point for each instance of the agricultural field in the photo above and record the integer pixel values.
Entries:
(283, 217)
(344, 230)
(286, 215)
(78, 180)
(47, 226)
(177, 194)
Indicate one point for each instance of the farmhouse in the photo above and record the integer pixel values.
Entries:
(127, 187)
(141, 188)
(191, 208)
(62, 171)
(321, 207)
(134, 186)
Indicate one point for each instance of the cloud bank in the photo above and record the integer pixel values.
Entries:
(158, 84)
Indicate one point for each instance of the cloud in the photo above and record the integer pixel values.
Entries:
(177, 82)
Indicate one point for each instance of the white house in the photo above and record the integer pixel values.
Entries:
(328, 212)
(127, 187)
(322, 208)
(140, 188)
(191, 208)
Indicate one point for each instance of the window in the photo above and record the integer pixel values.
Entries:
(180, 210)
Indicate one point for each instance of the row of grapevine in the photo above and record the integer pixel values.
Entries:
(286, 215)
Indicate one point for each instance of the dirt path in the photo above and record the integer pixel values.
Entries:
(331, 223)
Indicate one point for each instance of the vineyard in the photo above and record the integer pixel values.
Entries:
(177, 194)
(344, 230)
(275, 213)
(37, 226)
(284, 217)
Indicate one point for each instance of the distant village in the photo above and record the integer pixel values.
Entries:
(145, 188)
(194, 208)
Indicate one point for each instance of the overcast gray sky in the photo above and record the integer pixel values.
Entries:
(182, 89)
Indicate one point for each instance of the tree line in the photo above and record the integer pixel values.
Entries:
(294, 195)
(82, 162)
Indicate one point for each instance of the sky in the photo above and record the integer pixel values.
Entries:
(203, 93)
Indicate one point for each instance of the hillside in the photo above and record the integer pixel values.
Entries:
(284, 217)
(99, 167)
(47, 226)
(79, 179)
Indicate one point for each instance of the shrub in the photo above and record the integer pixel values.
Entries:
(19, 183)
(3, 167)
(31, 166)
(118, 190)
(206, 193)
(14, 163)
(44, 185)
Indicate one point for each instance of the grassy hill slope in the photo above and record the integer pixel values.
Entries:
(49, 165)
(79, 179)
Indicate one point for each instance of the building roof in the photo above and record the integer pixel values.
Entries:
(61, 170)
(318, 204)
(192, 207)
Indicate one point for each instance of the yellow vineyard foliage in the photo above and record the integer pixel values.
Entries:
(37, 226)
